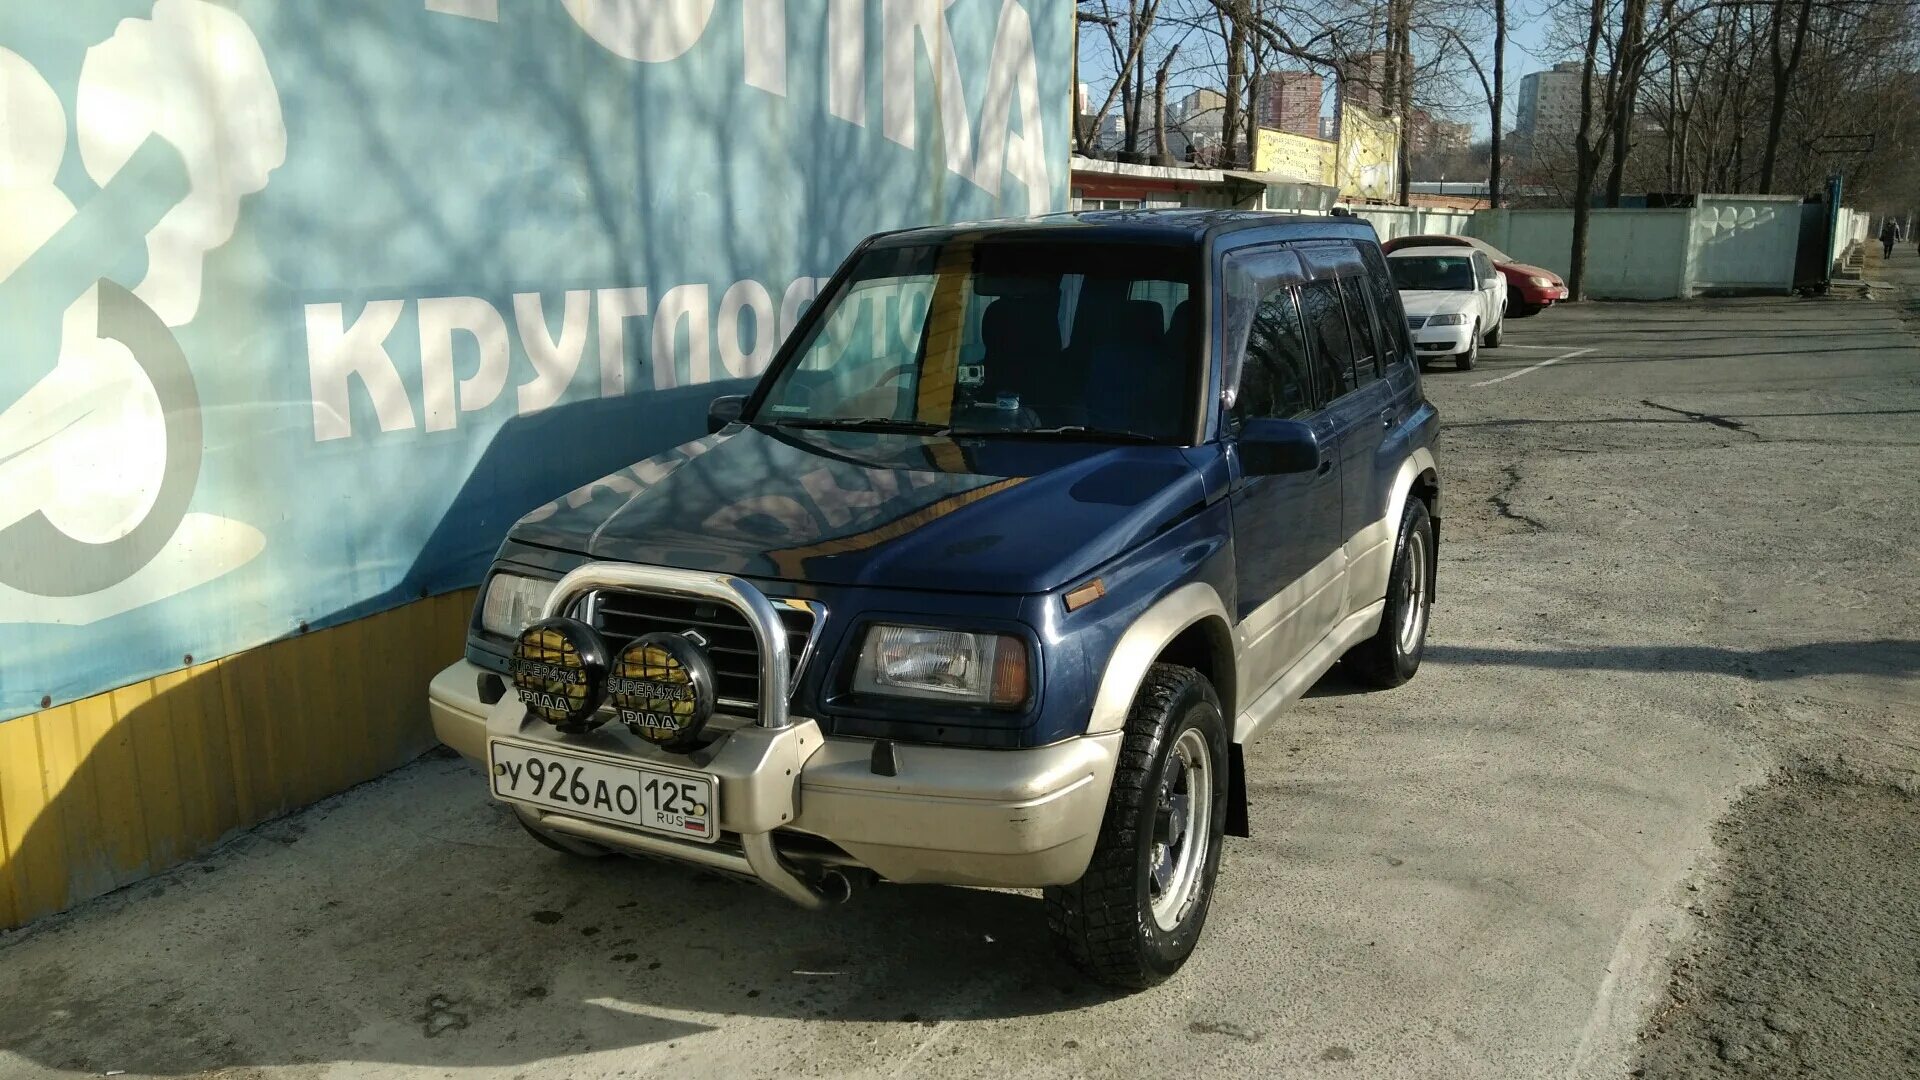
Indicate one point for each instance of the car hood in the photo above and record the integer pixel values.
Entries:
(874, 509)
(1435, 301)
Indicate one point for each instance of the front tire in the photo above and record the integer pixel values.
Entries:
(1392, 654)
(1492, 340)
(1135, 916)
(1465, 361)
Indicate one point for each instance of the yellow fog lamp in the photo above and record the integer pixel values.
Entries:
(662, 688)
(559, 670)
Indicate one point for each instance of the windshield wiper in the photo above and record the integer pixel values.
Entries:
(1072, 431)
(865, 423)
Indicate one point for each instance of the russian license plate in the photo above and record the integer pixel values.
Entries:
(676, 803)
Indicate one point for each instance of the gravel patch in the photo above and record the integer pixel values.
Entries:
(1806, 958)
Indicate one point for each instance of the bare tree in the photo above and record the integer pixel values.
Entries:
(1129, 57)
(1160, 154)
(1586, 152)
(1496, 101)
(1784, 69)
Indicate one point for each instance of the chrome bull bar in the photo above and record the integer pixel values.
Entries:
(786, 740)
(696, 585)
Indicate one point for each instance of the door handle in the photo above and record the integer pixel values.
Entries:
(1326, 466)
(1387, 418)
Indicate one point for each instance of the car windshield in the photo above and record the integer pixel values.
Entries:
(1012, 339)
(1443, 272)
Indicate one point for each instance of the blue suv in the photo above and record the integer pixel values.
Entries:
(1027, 531)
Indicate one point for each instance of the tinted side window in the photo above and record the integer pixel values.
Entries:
(1395, 343)
(1331, 340)
(1366, 353)
(1276, 380)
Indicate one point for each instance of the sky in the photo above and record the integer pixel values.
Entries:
(1527, 51)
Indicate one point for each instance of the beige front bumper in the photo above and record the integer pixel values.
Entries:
(1013, 818)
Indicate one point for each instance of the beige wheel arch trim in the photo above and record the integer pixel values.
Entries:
(1420, 461)
(1169, 616)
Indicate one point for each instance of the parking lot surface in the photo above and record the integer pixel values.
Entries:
(1676, 559)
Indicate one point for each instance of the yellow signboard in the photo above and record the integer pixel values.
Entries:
(1369, 155)
(1295, 157)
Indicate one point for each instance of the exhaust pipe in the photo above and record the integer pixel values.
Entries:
(838, 886)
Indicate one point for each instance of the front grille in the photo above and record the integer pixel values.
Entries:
(1415, 322)
(622, 616)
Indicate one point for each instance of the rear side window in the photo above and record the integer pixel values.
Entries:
(1331, 339)
(1277, 378)
(1395, 343)
(1366, 364)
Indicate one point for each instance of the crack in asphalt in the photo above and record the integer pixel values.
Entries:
(1503, 505)
(1706, 418)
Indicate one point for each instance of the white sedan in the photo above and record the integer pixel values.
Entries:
(1455, 300)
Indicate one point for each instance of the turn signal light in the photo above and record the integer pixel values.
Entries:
(1010, 674)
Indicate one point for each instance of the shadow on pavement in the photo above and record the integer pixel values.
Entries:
(352, 934)
(1881, 657)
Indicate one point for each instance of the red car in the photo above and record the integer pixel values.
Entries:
(1530, 289)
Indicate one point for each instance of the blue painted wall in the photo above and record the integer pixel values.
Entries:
(301, 304)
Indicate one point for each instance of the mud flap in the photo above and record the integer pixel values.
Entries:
(1237, 823)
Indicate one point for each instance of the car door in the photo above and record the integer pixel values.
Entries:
(1365, 470)
(1288, 552)
(1353, 407)
(1489, 290)
(1368, 488)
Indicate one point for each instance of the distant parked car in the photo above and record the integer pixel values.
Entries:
(1455, 301)
(1531, 289)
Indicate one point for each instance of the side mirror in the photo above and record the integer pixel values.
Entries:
(724, 410)
(1275, 447)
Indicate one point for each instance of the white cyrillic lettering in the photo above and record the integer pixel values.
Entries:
(847, 60)
(764, 44)
(915, 299)
(751, 296)
(484, 10)
(554, 364)
(336, 352)
(651, 31)
(794, 303)
(903, 21)
(439, 317)
(1014, 79)
(615, 307)
(876, 299)
(682, 304)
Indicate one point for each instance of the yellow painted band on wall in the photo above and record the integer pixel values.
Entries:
(102, 792)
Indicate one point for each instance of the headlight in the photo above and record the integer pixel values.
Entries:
(1545, 283)
(512, 602)
(1454, 319)
(942, 665)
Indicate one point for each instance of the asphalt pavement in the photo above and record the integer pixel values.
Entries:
(1676, 567)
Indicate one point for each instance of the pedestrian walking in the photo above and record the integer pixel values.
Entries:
(1889, 232)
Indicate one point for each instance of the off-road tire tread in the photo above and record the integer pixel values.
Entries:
(1093, 919)
(1373, 661)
